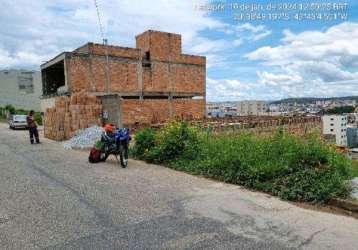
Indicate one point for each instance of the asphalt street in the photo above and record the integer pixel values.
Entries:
(52, 198)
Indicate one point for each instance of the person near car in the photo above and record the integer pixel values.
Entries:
(32, 125)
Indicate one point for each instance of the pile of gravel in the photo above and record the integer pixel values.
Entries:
(84, 138)
(354, 183)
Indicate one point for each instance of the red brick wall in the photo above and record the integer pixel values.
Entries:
(174, 71)
(150, 111)
(174, 77)
(79, 76)
(191, 59)
(159, 78)
(142, 43)
(99, 49)
(144, 111)
(99, 74)
(123, 76)
(188, 78)
(189, 108)
(162, 46)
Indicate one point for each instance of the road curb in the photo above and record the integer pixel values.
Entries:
(349, 205)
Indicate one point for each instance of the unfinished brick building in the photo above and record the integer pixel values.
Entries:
(148, 84)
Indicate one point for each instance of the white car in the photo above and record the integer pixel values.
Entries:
(18, 121)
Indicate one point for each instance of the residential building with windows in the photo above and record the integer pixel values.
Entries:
(336, 125)
(21, 88)
(245, 108)
(352, 136)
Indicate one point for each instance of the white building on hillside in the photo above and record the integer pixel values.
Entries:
(21, 88)
(336, 125)
(252, 108)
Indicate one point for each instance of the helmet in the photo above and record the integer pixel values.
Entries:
(109, 128)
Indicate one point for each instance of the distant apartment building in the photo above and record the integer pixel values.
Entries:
(352, 136)
(350, 103)
(336, 125)
(215, 112)
(20, 88)
(220, 110)
(252, 108)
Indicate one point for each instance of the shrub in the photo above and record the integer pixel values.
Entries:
(11, 109)
(293, 168)
(177, 139)
(144, 141)
(38, 118)
(21, 112)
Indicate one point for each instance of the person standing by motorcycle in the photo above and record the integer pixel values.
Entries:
(32, 125)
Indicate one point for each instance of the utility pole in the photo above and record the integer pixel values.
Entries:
(105, 44)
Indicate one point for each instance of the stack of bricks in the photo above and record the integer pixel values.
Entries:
(70, 114)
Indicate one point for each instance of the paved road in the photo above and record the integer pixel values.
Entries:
(51, 198)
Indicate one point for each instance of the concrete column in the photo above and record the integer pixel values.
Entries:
(140, 78)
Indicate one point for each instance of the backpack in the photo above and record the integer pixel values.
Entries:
(94, 156)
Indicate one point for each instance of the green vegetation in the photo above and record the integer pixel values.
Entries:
(12, 110)
(293, 168)
(340, 110)
(355, 168)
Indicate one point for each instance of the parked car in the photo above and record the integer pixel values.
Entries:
(18, 121)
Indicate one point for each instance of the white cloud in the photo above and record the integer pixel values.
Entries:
(238, 42)
(204, 45)
(337, 41)
(234, 89)
(261, 35)
(250, 27)
(252, 32)
(312, 63)
(278, 79)
(33, 31)
(215, 60)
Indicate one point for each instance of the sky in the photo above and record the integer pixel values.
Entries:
(246, 59)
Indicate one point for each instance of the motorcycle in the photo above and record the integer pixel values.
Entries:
(116, 144)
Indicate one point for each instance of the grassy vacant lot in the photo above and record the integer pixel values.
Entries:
(293, 168)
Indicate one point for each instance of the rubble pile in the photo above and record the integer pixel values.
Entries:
(84, 138)
(70, 114)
